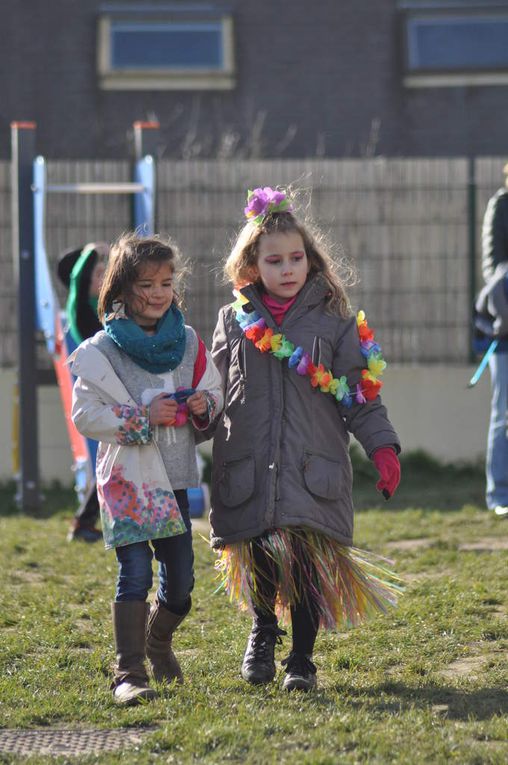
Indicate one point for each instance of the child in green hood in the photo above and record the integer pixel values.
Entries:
(81, 271)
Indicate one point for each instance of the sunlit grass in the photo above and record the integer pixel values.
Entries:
(426, 683)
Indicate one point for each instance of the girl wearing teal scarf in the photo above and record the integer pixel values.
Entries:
(139, 309)
(161, 352)
(138, 306)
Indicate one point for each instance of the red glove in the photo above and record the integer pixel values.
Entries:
(388, 467)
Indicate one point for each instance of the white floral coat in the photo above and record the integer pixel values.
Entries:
(135, 494)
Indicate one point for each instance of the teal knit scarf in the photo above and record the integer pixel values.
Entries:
(157, 353)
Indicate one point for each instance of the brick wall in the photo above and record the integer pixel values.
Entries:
(314, 79)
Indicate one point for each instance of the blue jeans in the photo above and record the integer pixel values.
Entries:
(176, 566)
(497, 443)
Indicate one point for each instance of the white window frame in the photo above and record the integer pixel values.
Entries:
(164, 78)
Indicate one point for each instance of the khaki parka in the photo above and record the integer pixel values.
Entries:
(280, 452)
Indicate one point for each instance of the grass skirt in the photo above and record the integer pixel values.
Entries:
(346, 585)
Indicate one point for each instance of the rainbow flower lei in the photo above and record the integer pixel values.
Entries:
(267, 341)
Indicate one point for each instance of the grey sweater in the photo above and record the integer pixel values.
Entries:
(176, 445)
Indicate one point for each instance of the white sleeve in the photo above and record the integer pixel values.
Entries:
(106, 420)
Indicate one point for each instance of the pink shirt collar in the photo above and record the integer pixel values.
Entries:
(278, 310)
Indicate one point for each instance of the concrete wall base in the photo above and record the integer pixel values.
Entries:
(431, 408)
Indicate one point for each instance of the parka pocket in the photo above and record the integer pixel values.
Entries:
(236, 483)
(322, 475)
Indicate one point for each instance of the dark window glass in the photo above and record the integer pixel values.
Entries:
(166, 46)
(458, 43)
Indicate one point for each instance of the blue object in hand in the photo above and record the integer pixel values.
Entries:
(181, 395)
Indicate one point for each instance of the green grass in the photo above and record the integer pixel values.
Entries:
(425, 684)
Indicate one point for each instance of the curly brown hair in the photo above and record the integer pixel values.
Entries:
(243, 258)
(127, 256)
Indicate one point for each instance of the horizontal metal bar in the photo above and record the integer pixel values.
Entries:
(94, 188)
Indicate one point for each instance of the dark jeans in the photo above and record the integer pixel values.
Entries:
(304, 613)
(88, 513)
(176, 566)
(497, 442)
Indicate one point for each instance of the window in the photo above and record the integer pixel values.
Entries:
(455, 43)
(172, 50)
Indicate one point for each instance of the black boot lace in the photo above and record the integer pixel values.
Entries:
(264, 638)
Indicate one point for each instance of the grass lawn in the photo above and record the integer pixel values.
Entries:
(425, 684)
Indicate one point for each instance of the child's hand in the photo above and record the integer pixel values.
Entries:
(388, 467)
(197, 403)
(163, 410)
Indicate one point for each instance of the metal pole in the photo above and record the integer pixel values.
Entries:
(144, 205)
(23, 152)
(146, 139)
(471, 216)
(143, 214)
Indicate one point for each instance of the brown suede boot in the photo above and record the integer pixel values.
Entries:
(130, 685)
(161, 625)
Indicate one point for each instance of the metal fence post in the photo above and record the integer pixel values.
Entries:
(23, 152)
(471, 223)
(146, 141)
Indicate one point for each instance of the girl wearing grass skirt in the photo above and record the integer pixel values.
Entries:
(300, 373)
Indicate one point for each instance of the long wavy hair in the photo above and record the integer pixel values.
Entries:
(127, 256)
(243, 258)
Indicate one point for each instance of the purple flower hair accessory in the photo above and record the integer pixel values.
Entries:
(261, 202)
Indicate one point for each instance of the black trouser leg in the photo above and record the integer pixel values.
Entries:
(266, 578)
(305, 623)
(304, 613)
(88, 512)
(258, 664)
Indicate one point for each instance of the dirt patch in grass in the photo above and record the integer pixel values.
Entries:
(410, 544)
(424, 576)
(188, 652)
(469, 666)
(440, 709)
(487, 544)
(22, 576)
(494, 745)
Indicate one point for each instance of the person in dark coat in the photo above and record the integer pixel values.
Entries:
(81, 271)
(494, 254)
(300, 372)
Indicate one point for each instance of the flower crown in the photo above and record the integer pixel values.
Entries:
(262, 202)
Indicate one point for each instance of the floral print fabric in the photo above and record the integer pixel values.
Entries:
(135, 426)
(131, 513)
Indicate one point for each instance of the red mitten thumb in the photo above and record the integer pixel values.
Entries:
(388, 467)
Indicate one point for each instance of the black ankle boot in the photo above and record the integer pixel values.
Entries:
(300, 672)
(259, 660)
